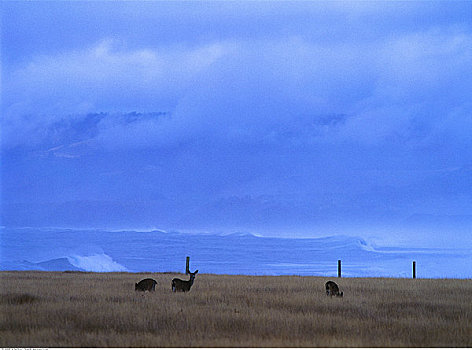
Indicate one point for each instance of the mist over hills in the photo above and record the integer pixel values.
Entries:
(54, 249)
(265, 216)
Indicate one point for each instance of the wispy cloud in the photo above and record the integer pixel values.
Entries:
(250, 89)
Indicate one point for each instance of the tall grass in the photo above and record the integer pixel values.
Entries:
(54, 309)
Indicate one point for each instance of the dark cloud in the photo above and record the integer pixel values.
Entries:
(290, 115)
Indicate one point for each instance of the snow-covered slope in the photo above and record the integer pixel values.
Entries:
(240, 253)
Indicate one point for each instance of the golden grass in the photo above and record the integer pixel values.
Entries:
(56, 309)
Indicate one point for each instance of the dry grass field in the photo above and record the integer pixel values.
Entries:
(60, 309)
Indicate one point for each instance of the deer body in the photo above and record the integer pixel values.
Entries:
(333, 289)
(179, 285)
(147, 284)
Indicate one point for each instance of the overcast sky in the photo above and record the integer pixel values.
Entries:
(281, 118)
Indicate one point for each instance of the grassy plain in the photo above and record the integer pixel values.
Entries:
(60, 309)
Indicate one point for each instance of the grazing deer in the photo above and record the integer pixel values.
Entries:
(183, 286)
(333, 289)
(146, 284)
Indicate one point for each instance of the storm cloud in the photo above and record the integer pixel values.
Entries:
(307, 118)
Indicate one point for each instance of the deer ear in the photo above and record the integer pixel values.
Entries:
(196, 271)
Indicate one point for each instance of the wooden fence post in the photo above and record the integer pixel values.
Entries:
(339, 268)
(414, 269)
(187, 265)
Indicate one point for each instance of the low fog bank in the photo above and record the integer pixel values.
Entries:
(97, 250)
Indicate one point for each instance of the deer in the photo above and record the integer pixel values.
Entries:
(183, 286)
(147, 284)
(333, 289)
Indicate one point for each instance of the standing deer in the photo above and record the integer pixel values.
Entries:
(183, 286)
(147, 284)
(333, 289)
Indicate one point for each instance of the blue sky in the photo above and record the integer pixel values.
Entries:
(281, 118)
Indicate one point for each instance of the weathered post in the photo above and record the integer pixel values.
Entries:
(187, 265)
(414, 269)
(339, 268)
